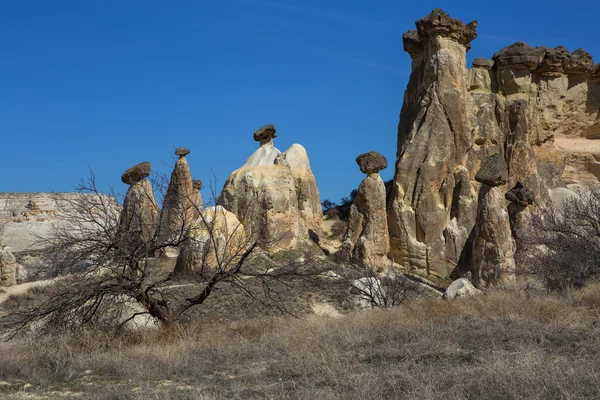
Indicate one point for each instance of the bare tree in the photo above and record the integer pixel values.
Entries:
(564, 242)
(98, 269)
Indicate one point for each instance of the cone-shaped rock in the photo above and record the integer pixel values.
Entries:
(179, 209)
(139, 217)
(8, 268)
(367, 240)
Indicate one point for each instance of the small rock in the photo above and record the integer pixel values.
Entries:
(460, 288)
(266, 133)
(371, 162)
(197, 184)
(136, 173)
(493, 172)
(182, 151)
(481, 62)
(520, 194)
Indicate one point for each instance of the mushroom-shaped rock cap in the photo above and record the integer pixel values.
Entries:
(493, 172)
(579, 62)
(266, 132)
(438, 23)
(371, 162)
(136, 173)
(197, 184)
(520, 194)
(519, 54)
(596, 73)
(182, 151)
(412, 44)
(481, 62)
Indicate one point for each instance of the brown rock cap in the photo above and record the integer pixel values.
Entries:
(438, 23)
(182, 151)
(371, 162)
(136, 173)
(520, 194)
(265, 133)
(412, 44)
(481, 62)
(519, 53)
(559, 59)
(197, 184)
(493, 172)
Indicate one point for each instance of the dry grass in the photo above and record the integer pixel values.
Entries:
(504, 345)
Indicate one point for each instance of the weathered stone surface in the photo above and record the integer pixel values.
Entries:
(136, 173)
(433, 201)
(560, 60)
(438, 23)
(371, 162)
(8, 267)
(493, 172)
(519, 54)
(182, 151)
(520, 195)
(178, 209)
(198, 201)
(481, 62)
(274, 195)
(216, 240)
(266, 134)
(560, 195)
(197, 184)
(139, 217)
(461, 287)
(412, 44)
(493, 251)
(367, 239)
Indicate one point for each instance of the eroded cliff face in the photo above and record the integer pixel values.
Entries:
(537, 108)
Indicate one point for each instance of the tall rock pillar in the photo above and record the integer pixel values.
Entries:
(434, 204)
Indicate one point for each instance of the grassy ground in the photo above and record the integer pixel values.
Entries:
(510, 344)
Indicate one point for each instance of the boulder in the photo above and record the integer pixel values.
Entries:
(520, 195)
(182, 151)
(371, 162)
(8, 267)
(493, 172)
(461, 288)
(367, 239)
(519, 54)
(136, 173)
(266, 134)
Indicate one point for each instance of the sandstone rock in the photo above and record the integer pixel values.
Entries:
(139, 216)
(215, 240)
(371, 162)
(560, 60)
(481, 62)
(412, 44)
(136, 173)
(493, 247)
(367, 240)
(198, 201)
(461, 288)
(178, 207)
(8, 267)
(274, 194)
(560, 195)
(433, 201)
(197, 184)
(493, 172)
(519, 54)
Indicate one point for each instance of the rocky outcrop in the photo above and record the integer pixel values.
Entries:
(274, 194)
(216, 240)
(461, 287)
(139, 217)
(367, 240)
(198, 202)
(8, 268)
(536, 108)
(433, 203)
(178, 209)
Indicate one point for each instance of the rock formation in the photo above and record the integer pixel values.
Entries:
(217, 239)
(139, 217)
(367, 240)
(274, 194)
(8, 268)
(537, 108)
(178, 209)
(198, 202)
(492, 253)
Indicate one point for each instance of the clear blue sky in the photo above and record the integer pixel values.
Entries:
(112, 83)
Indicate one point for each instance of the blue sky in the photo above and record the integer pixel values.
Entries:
(108, 84)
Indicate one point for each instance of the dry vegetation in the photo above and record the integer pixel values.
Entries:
(504, 345)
